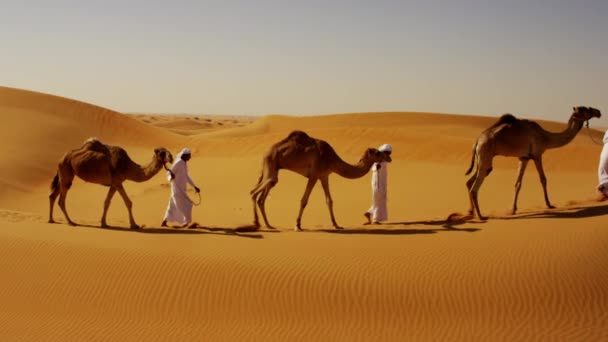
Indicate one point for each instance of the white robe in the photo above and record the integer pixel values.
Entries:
(602, 172)
(180, 206)
(378, 211)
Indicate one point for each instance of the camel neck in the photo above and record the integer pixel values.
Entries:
(347, 170)
(141, 174)
(555, 140)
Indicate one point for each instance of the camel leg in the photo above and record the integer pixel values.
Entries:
(470, 183)
(329, 201)
(304, 201)
(128, 203)
(262, 204)
(255, 192)
(259, 194)
(483, 171)
(256, 221)
(62, 197)
(52, 197)
(106, 205)
(538, 162)
(258, 197)
(520, 174)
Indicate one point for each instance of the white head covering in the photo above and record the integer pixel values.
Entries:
(185, 150)
(606, 137)
(385, 148)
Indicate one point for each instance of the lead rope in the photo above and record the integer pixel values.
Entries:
(591, 135)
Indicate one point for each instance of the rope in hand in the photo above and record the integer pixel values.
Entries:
(591, 135)
(200, 200)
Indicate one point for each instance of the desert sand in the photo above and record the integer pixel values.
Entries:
(539, 275)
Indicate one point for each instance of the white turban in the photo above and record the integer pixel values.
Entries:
(385, 148)
(185, 150)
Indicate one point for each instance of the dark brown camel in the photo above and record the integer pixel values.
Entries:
(96, 162)
(523, 139)
(314, 159)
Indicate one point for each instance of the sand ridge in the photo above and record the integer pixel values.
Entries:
(538, 275)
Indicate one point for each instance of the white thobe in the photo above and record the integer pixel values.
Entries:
(180, 206)
(602, 172)
(378, 211)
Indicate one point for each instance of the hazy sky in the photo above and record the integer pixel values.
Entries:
(531, 58)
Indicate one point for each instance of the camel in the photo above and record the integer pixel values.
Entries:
(523, 139)
(96, 162)
(312, 158)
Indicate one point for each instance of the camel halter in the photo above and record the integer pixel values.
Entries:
(591, 135)
(200, 200)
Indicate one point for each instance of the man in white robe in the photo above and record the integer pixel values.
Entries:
(602, 172)
(378, 211)
(180, 206)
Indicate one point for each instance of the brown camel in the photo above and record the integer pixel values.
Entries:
(96, 162)
(314, 159)
(525, 140)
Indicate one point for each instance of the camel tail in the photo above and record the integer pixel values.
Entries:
(472, 160)
(55, 183)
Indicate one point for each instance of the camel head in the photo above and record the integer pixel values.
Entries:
(582, 113)
(373, 155)
(163, 156)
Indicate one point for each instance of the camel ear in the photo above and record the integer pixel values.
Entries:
(156, 150)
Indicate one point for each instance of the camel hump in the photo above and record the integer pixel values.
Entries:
(300, 138)
(298, 135)
(92, 140)
(508, 119)
(94, 144)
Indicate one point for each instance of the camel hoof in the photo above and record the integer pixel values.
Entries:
(483, 218)
(135, 227)
(51, 221)
(104, 225)
(297, 229)
(338, 227)
(514, 211)
(72, 224)
(551, 206)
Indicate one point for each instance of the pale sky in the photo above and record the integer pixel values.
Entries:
(534, 58)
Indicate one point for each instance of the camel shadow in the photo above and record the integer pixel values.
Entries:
(254, 234)
(378, 231)
(177, 231)
(446, 226)
(572, 212)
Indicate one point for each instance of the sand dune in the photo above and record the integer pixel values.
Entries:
(538, 275)
(186, 124)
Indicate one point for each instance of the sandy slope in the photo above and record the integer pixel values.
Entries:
(186, 124)
(539, 275)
